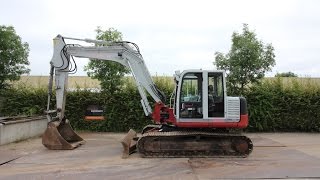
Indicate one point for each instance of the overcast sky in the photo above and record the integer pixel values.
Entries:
(172, 35)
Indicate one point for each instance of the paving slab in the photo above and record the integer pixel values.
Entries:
(285, 155)
(7, 156)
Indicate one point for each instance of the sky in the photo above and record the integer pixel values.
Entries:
(172, 35)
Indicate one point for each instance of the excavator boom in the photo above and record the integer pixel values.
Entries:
(59, 134)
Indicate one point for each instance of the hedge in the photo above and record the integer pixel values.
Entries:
(274, 105)
(279, 105)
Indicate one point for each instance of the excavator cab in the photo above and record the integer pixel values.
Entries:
(201, 96)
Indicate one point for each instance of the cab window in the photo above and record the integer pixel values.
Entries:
(191, 96)
(215, 95)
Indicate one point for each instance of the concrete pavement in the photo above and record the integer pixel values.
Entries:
(275, 155)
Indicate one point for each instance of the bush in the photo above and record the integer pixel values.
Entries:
(277, 104)
(122, 109)
(22, 101)
(282, 105)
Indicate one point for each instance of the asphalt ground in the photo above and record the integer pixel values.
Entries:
(275, 156)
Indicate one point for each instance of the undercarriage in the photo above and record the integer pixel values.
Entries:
(167, 141)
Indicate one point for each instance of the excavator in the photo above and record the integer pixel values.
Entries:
(200, 121)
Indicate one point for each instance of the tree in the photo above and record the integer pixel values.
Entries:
(13, 56)
(246, 62)
(286, 74)
(109, 73)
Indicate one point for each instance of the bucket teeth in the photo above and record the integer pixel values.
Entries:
(60, 136)
(129, 143)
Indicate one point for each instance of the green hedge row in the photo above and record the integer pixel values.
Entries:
(274, 105)
(22, 101)
(122, 109)
(282, 105)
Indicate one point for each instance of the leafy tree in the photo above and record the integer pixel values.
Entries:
(13, 56)
(246, 62)
(286, 74)
(107, 72)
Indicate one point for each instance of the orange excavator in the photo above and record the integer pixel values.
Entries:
(199, 122)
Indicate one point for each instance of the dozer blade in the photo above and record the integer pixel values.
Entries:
(129, 143)
(60, 136)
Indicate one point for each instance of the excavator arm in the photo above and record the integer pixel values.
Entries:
(125, 53)
(59, 134)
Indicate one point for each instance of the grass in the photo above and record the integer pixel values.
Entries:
(81, 81)
(42, 82)
(87, 82)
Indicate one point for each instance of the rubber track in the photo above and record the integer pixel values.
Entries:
(150, 136)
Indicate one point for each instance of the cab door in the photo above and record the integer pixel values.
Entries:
(216, 95)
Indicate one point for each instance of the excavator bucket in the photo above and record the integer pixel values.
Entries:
(129, 143)
(60, 136)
